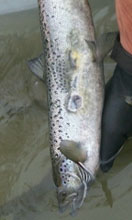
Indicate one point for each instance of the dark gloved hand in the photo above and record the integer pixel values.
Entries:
(117, 114)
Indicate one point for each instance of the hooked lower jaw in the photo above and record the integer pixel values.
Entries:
(68, 204)
(75, 199)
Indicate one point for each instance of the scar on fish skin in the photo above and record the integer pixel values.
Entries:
(73, 151)
(75, 59)
(74, 103)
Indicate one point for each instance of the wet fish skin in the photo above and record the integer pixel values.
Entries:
(75, 88)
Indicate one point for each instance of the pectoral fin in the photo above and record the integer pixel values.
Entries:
(36, 65)
(105, 43)
(73, 151)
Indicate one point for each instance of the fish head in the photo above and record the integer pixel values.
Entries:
(73, 190)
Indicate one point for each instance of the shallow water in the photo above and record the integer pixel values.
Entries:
(27, 191)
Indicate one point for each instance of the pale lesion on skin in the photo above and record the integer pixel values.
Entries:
(75, 59)
(78, 56)
(78, 86)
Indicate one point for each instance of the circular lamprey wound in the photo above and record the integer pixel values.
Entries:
(75, 103)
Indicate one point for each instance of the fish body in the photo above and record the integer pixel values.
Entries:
(75, 89)
(75, 92)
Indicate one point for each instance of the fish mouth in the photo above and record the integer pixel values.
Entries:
(73, 198)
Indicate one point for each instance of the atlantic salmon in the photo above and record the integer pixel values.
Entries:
(72, 62)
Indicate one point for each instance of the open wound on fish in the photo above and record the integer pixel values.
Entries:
(74, 102)
(74, 58)
(36, 65)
